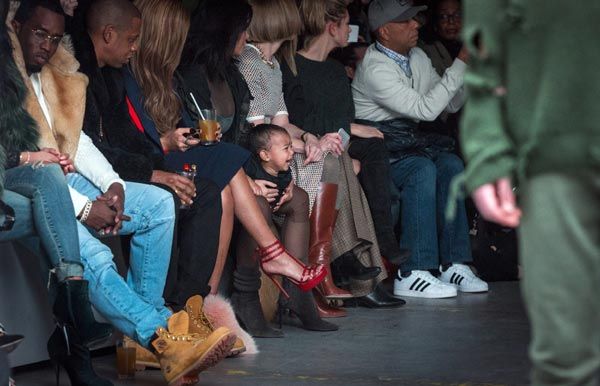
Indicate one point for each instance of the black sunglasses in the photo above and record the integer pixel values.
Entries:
(9, 217)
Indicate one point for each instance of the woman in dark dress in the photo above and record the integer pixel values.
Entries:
(319, 100)
(158, 111)
(208, 69)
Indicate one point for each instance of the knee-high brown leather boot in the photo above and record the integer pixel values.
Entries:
(322, 221)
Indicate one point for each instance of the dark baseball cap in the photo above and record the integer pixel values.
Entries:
(385, 11)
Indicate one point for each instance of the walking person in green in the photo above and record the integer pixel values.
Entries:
(532, 119)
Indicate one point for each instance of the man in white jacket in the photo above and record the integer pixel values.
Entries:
(396, 86)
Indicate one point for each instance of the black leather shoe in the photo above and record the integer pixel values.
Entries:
(347, 267)
(9, 342)
(379, 298)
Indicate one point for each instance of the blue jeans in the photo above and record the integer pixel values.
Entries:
(40, 198)
(424, 186)
(135, 307)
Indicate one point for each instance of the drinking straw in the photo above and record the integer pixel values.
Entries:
(198, 107)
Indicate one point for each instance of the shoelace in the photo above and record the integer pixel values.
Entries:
(176, 337)
(201, 320)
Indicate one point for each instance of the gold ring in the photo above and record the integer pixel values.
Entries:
(176, 191)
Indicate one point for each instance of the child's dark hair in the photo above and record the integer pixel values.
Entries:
(260, 137)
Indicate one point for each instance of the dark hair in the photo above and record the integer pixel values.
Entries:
(215, 28)
(5, 48)
(260, 137)
(27, 7)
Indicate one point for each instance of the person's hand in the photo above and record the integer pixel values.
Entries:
(66, 163)
(255, 188)
(268, 189)
(219, 133)
(115, 199)
(463, 54)
(496, 202)
(312, 149)
(182, 186)
(331, 142)
(364, 131)
(178, 140)
(287, 196)
(68, 6)
(298, 145)
(101, 216)
(44, 156)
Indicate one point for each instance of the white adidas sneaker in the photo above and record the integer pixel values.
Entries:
(422, 284)
(462, 277)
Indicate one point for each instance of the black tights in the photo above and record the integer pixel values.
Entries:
(294, 231)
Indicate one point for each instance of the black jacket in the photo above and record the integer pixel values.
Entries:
(107, 120)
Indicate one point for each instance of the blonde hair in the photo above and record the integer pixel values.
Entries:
(274, 20)
(165, 25)
(317, 13)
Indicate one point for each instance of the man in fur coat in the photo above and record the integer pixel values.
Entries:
(56, 100)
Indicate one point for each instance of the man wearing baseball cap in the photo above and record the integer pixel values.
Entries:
(396, 87)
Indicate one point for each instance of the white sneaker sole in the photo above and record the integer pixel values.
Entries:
(416, 294)
(472, 290)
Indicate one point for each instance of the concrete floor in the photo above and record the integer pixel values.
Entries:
(472, 340)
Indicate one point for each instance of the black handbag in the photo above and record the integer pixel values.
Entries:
(402, 137)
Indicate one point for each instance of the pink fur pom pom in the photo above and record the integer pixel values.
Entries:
(219, 311)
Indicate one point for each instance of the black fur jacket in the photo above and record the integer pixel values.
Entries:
(18, 131)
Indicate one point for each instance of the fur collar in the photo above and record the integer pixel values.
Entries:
(64, 89)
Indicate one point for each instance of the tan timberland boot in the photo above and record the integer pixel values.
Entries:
(200, 324)
(143, 357)
(183, 355)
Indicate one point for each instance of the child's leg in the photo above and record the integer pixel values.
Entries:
(295, 230)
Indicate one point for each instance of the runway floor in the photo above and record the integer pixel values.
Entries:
(472, 340)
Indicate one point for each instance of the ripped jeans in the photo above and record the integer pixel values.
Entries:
(43, 209)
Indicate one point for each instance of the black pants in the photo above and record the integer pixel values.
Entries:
(375, 180)
(4, 369)
(195, 245)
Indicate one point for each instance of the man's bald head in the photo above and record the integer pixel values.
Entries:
(118, 13)
(114, 27)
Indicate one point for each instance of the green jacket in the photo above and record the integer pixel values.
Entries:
(544, 54)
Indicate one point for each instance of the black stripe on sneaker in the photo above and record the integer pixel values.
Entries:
(452, 278)
(415, 283)
(417, 288)
(425, 287)
(461, 280)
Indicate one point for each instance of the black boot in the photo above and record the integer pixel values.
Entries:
(347, 267)
(302, 305)
(72, 307)
(246, 304)
(66, 350)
